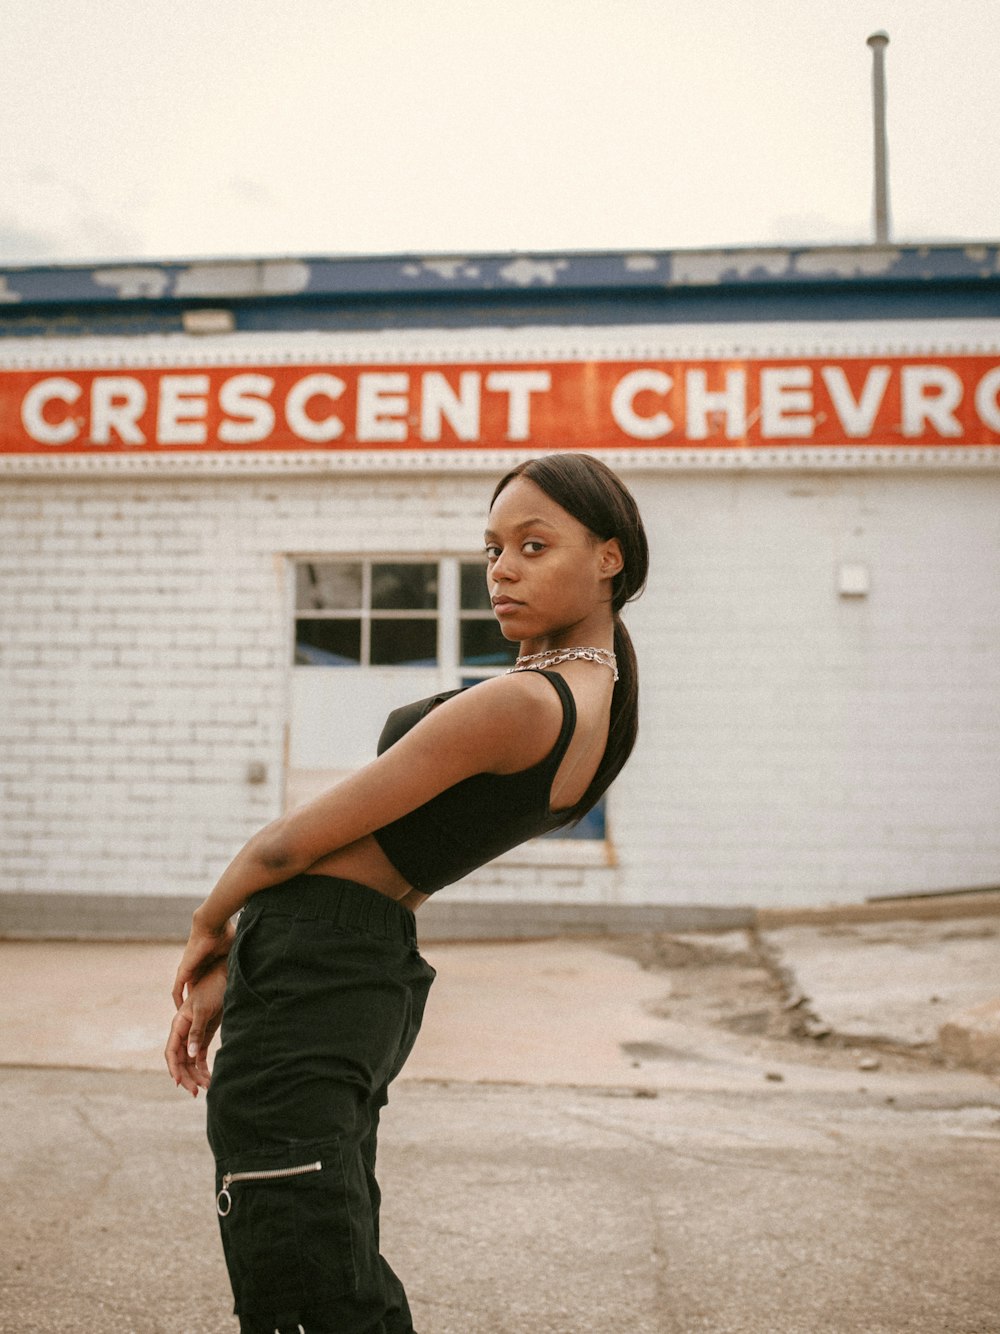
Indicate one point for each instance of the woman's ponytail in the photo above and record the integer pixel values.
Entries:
(624, 724)
(596, 497)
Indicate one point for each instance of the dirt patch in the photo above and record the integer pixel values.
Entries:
(731, 981)
(726, 981)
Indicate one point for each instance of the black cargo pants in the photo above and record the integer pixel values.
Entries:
(325, 997)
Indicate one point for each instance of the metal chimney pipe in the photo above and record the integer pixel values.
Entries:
(878, 41)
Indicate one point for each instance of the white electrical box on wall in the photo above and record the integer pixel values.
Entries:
(853, 580)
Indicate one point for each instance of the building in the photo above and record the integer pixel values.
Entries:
(242, 506)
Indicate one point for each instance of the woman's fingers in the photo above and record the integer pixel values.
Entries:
(176, 1053)
(193, 1027)
(194, 1041)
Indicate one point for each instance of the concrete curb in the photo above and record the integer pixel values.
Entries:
(166, 917)
(162, 917)
(936, 907)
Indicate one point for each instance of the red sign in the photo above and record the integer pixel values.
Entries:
(837, 401)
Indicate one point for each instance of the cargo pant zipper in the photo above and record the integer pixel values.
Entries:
(224, 1201)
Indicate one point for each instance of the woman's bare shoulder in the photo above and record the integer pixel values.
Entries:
(506, 718)
(506, 695)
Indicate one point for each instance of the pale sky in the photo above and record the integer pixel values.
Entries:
(132, 129)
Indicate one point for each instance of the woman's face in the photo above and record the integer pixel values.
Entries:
(549, 577)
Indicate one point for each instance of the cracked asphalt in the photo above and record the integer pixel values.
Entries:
(624, 1136)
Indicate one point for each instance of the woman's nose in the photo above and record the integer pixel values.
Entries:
(503, 567)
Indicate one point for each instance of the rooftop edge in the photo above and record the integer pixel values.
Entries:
(422, 275)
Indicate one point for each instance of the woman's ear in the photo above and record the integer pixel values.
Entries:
(612, 561)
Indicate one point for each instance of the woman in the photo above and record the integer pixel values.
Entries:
(321, 982)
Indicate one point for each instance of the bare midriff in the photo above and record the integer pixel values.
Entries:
(366, 863)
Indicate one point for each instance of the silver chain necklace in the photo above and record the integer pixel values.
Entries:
(540, 661)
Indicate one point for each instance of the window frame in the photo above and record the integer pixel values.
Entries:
(552, 849)
(365, 613)
(449, 614)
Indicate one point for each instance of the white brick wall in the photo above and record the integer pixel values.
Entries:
(797, 746)
(802, 747)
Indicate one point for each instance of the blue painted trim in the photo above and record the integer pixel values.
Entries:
(389, 292)
(236, 280)
(941, 300)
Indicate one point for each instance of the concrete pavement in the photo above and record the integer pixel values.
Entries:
(619, 1135)
(569, 1011)
(897, 981)
(527, 1210)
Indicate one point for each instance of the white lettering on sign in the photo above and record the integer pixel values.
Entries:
(116, 404)
(519, 386)
(987, 395)
(732, 401)
(181, 409)
(857, 416)
(440, 403)
(382, 406)
(249, 416)
(299, 421)
(786, 402)
(930, 395)
(628, 388)
(571, 404)
(54, 389)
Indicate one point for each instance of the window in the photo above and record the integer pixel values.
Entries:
(392, 615)
(482, 649)
(366, 613)
(398, 613)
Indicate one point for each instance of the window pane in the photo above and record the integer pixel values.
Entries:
(404, 587)
(328, 586)
(475, 594)
(328, 643)
(484, 646)
(409, 643)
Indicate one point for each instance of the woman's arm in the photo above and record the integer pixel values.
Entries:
(503, 725)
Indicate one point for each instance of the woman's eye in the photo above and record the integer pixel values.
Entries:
(534, 547)
(492, 553)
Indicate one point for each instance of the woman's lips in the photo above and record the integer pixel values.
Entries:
(503, 606)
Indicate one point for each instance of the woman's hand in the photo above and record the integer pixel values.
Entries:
(193, 1027)
(206, 946)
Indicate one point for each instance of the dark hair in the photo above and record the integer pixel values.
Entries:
(595, 496)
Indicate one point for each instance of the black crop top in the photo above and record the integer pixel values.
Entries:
(476, 819)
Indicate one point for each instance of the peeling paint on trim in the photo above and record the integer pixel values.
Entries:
(847, 264)
(448, 269)
(270, 278)
(641, 263)
(134, 282)
(524, 272)
(715, 267)
(600, 273)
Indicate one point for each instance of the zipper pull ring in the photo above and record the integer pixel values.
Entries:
(224, 1201)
